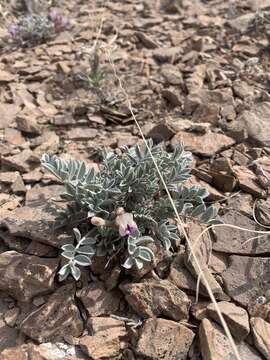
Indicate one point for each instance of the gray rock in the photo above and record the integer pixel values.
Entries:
(241, 23)
(234, 241)
(183, 279)
(256, 123)
(247, 278)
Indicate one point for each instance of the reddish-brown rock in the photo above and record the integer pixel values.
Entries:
(23, 276)
(98, 301)
(56, 318)
(164, 339)
(157, 298)
(204, 145)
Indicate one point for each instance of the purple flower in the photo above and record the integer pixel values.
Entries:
(60, 22)
(125, 223)
(13, 31)
(55, 15)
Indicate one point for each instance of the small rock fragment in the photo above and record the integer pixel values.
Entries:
(11, 315)
(6, 76)
(256, 122)
(261, 335)
(157, 298)
(23, 276)
(99, 347)
(98, 301)
(107, 340)
(172, 75)
(215, 345)
(164, 339)
(18, 186)
(20, 162)
(161, 132)
(204, 145)
(247, 278)
(248, 181)
(183, 279)
(8, 177)
(35, 223)
(233, 241)
(81, 134)
(235, 316)
(208, 105)
(58, 317)
(27, 124)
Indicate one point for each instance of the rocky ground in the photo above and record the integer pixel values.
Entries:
(194, 73)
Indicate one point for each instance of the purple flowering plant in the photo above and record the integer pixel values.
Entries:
(36, 28)
(123, 209)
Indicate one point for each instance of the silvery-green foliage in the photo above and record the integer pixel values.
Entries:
(260, 19)
(138, 253)
(77, 255)
(36, 28)
(129, 181)
(32, 29)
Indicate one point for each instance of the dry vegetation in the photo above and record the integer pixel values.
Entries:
(78, 77)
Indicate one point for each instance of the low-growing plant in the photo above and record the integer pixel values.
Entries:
(259, 22)
(125, 204)
(95, 75)
(34, 28)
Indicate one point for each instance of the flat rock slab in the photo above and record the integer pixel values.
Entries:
(233, 241)
(256, 123)
(46, 351)
(157, 298)
(207, 105)
(164, 339)
(58, 317)
(35, 223)
(20, 161)
(261, 336)
(107, 340)
(183, 279)
(235, 316)
(204, 145)
(98, 301)
(99, 347)
(248, 181)
(247, 278)
(40, 195)
(215, 345)
(202, 251)
(23, 276)
(9, 336)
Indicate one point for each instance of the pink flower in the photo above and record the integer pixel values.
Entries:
(125, 223)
